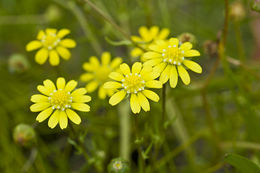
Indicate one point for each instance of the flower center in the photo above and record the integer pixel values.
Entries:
(173, 55)
(60, 99)
(117, 165)
(50, 41)
(133, 83)
(102, 73)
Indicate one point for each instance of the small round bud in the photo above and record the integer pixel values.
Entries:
(118, 165)
(237, 11)
(187, 37)
(24, 135)
(210, 48)
(18, 63)
(53, 13)
(255, 5)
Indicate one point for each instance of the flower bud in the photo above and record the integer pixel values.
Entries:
(53, 13)
(255, 5)
(237, 11)
(210, 48)
(18, 63)
(24, 135)
(118, 165)
(187, 37)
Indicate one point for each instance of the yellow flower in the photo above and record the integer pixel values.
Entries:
(58, 102)
(97, 73)
(169, 59)
(51, 44)
(134, 82)
(148, 37)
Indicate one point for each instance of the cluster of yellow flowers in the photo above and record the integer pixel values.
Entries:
(162, 60)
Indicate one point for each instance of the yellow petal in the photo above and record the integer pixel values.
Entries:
(81, 107)
(63, 52)
(143, 102)
(159, 67)
(116, 61)
(151, 55)
(33, 45)
(143, 31)
(94, 61)
(73, 116)
(153, 84)
(112, 85)
(39, 98)
(186, 46)
(154, 31)
(71, 85)
(116, 76)
(51, 31)
(41, 56)
(193, 66)
(81, 99)
(40, 35)
(63, 32)
(153, 62)
(54, 58)
(117, 97)
(43, 90)
(136, 38)
(60, 83)
(164, 34)
(102, 92)
(105, 58)
(185, 77)
(54, 119)
(37, 107)
(173, 77)
(125, 68)
(174, 41)
(44, 114)
(92, 86)
(88, 67)
(79, 92)
(136, 68)
(48, 84)
(165, 74)
(151, 95)
(86, 77)
(191, 53)
(63, 120)
(134, 103)
(69, 43)
(136, 52)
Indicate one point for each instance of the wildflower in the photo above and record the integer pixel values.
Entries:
(237, 11)
(18, 63)
(118, 165)
(97, 73)
(58, 102)
(134, 82)
(169, 58)
(52, 45)
(148, 37)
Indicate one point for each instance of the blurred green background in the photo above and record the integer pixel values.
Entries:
(230, 104)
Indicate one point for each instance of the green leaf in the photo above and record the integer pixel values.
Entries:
(242, 164)
(118, 43)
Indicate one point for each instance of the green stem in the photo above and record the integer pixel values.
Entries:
(140, 157)
(239, 41)
(163, 103)
(124, 115)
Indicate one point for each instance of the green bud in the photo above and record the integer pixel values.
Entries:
(255, 5)
(53, 13)
(187, 37)
(18, 63)
(24, 135)
(237, 11)
(118, 165)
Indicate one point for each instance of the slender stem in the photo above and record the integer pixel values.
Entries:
(140, 157)
(163, 103)
(111, 21)
(239, 41)
(240, 144)
(124, 115)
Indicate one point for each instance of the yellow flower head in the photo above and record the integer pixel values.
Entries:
(148, 37)
(58, 102)
(135, 83)
(97, 73)
(52, 45)
(168, 57)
